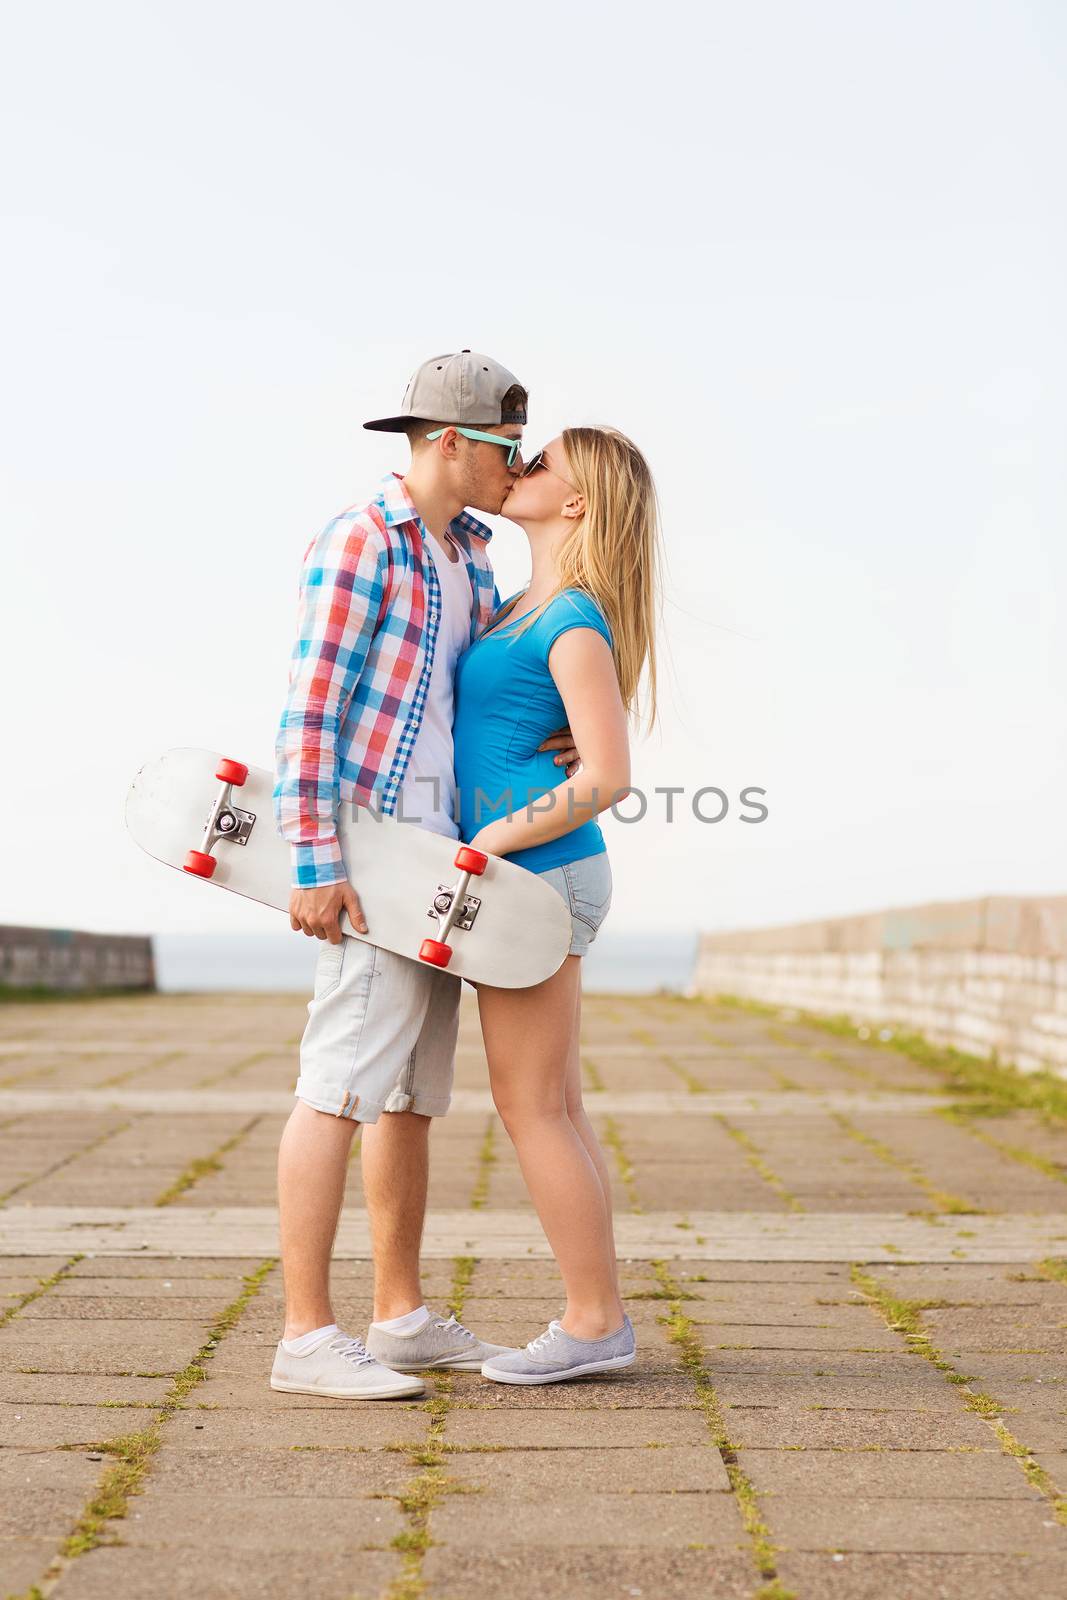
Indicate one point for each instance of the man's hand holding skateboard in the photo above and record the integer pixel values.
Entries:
(317, 912)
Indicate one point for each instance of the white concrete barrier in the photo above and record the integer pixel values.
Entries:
(988, 976)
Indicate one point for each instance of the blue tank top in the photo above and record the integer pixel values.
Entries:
(506, 703)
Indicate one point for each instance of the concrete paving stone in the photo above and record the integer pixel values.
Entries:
(807, 1522)
(873, 1576)
(880, 1369)
(582, 1429)
(1047, 1372)
(799, 1336)
(534, 1279)
(213, 1573)
(22, 1424)
(996, 1328)
(692, 1274)
(33, 1267)
(632, 1387)
(225, 1270)
(22, 1561)
(770, 1427)
(101, 1346)
(77, 1388)
(774, 1302)
(951, 1156)
(521, 1473)
(311, 1421)
(637, 1521)
(41, 1510)
(182, 1288)
(898, 1391)
(167, 1519)
(985, 1285)
(28, 1467)
(1030, 1131)
(596, 1573)
(145, 1308)
(891, 1474)
(1054, 1462)
(299, 1474)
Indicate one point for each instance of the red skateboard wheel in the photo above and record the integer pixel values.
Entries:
(201, 865)
(436, 953)
(472, 861)
(231, 771)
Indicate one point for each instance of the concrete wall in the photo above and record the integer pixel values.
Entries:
(64, 959)
(989, 975)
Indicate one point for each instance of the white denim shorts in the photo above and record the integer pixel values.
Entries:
(380, 1036)
(586, 887)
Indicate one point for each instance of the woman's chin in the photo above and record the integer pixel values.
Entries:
(514, 513)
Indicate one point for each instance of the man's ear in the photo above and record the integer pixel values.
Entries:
(573, 508)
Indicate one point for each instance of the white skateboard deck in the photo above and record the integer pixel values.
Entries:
(501, 926)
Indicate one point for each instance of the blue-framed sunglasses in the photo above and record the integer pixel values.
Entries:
(513, 446)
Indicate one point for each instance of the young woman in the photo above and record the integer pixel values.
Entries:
(570, 648)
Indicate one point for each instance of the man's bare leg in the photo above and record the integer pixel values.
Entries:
(395, 1157)
(312, 1166)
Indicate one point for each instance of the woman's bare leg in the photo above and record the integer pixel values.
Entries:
(530, 1044)
(580, 1118)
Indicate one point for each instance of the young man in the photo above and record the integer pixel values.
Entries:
(391, 592)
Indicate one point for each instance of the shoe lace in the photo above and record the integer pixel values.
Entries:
(349, 1348)
(452, 1324)
(543, 1340)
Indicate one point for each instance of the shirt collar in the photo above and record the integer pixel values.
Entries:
(398, 508)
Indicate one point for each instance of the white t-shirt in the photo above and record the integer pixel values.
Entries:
(433, 804)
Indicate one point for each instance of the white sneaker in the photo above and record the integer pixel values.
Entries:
(438, 1342)
(339, 1366)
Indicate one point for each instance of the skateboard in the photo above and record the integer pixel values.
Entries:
(426, 897)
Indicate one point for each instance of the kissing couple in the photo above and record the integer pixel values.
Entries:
(412, 686)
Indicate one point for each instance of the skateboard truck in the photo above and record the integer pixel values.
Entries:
(454, 907)
(225, 820)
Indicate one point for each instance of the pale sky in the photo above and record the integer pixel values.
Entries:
(810, 257)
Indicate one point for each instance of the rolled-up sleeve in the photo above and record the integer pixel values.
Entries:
(342, 582)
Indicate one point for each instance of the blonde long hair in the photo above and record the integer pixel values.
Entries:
(613, 553)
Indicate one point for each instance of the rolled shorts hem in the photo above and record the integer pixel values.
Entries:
(367, 1110)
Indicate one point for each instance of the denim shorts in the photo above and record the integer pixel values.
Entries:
(380, 1035)
(586, 887)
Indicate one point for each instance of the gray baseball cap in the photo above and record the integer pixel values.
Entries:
(460, 388)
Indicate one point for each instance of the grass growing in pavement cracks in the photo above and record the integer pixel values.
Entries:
(133, 1452)
(433, 1483)
(42, 1287)
(966, 1116)
(904, 1316)
(486, 1163)
(755, 1160)
(202, 1166)
(623, 1164)
(683, 1335)
(1004, 1087)
(953, 1204)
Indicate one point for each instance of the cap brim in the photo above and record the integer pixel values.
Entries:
(389, 424)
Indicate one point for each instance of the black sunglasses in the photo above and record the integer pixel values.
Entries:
(539, 461)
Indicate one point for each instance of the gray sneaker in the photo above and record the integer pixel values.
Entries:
(556, 1355)
(440, 1342)
(340, 1367)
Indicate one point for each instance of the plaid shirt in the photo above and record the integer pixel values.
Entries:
(368, 616)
